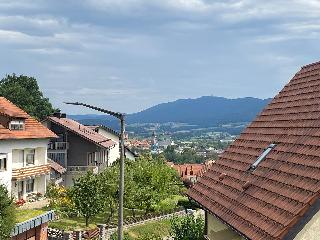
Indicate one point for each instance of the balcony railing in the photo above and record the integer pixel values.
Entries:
(58, 146)
(59, 157)
(81, 169)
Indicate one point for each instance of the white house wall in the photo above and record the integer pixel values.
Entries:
(6, 176)
(114, 153)
(14, 160)
(219, 231)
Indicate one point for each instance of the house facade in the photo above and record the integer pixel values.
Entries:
(114, 136)
(266, 185)
(23, 152)
(78, 148)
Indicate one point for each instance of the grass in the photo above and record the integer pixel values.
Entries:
(78, 223)
(26, 214)
(155, 228)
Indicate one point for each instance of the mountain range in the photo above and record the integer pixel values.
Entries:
(204, 111)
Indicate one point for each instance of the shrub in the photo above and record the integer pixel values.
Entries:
(187, 228)
(60, 201)
(7, 213)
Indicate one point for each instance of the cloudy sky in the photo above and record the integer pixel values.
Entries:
(128, 55)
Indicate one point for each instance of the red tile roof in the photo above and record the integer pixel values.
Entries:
(56, 167)
(189, 170)
(83, 131)
(33, 129)
(267, 202)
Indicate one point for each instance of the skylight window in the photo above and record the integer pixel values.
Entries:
(262, 156)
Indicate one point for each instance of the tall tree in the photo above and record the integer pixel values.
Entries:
(24, 91)
(151, 181)
(87, 196)
(108, 181)
(7, 213)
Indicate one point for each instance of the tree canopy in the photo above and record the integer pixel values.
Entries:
(87, 196)
(7, 213)
(24, 91)
(187, 156)
(148, 181)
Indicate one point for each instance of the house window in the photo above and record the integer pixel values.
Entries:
(30, 185)
(3, 162)
(16, 125)
(91, 158)
(30, 155)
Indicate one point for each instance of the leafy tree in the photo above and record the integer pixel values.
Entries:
(109, 182)
(187, 156)
(187, 228)
(25, 93)
(87, 196)
(148, 181)
(152, 181)
(7, 213)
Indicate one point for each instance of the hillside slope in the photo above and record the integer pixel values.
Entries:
(203, 111)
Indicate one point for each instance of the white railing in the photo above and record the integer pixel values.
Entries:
(58, 146)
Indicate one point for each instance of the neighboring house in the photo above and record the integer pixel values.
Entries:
(114, 136)
(23, 151)
(266, 185)
(190, 171)
(78, 148)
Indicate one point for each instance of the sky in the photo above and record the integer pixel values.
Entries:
(128, 55)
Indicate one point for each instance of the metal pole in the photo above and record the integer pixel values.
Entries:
(121, 181)
(121, 178)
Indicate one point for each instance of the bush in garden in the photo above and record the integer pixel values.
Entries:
(187, 228)
(125, 236)
(7, 213)
(59, 200)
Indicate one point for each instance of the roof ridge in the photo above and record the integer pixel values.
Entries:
(310, 64)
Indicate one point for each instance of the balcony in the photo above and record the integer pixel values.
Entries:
(82, 169)
(58, 157)
(57, 151)
(58, 146)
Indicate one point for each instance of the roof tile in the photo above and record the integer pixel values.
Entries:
(33, 129)
(282, 188)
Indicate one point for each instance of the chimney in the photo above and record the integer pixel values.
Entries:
(59, 115)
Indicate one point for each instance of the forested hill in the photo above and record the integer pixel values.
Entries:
(203, 111)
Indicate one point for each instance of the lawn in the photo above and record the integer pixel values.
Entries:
(27, 214)
(78, 223)
(155, 228)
